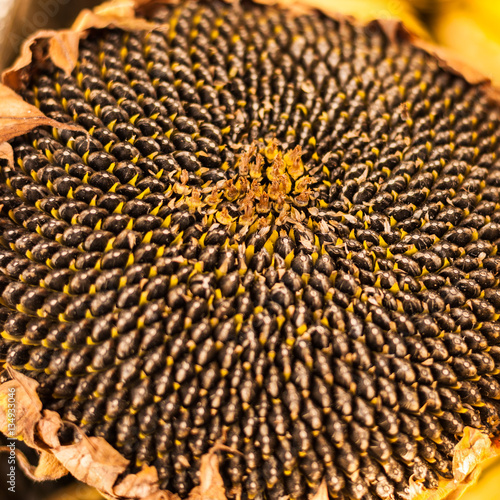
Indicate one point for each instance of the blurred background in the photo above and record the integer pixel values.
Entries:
(469, 28)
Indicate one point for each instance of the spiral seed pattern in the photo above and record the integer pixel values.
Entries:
(279, 232)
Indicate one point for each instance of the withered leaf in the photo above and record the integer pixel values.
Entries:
(18, 117)
(211, 484)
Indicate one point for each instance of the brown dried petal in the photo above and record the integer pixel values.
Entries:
(322, 493)
(17, 117)
(27, 407)
(91, 460)
(212, 485)
(140, 485)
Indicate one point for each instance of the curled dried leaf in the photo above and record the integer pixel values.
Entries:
(144, 484)
(91, 460)
(119, 15)
(48, 466)
(7, 153)
(61, 45)
(18, 117)
(211, 483)
(322, 493)
(28, 407)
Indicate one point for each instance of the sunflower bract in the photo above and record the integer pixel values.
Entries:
(279, 233)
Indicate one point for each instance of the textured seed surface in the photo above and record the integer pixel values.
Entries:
(279, 233)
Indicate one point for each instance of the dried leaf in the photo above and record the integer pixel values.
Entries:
(322, 493)
(140, 485)
(7, 153)
(28, 406)
(117, 9)
(18, 117)
(211, 484)
(61, 45)
(63, 50)
(48, 468)
(120, 15)
(91, 460)
(473, 448)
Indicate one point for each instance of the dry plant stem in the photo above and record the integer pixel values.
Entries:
(90, 459)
